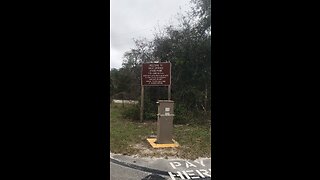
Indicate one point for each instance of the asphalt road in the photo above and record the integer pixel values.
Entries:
(124, 167)
(119, 172)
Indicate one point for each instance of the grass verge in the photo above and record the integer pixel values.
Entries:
(129, 138)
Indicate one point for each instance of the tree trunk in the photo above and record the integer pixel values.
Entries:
(206, 98)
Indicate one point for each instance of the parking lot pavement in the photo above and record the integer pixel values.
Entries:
(158, 168)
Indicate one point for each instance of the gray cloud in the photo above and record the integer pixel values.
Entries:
(138, 19)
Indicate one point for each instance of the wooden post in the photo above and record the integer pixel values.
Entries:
(122, 100)
(169, 92)
(169, 87)
(141, 106)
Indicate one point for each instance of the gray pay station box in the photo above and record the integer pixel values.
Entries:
(165, 122)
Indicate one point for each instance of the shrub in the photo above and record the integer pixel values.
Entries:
(182, 116)
(131, 112)
(150, 109)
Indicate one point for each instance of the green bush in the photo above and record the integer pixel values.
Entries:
(150, 116)
(131, 112)
(150, 109)
(182, 116)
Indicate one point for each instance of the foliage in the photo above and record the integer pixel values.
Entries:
(124, 84)
(131, 112)
(182, 116)
(188, 48)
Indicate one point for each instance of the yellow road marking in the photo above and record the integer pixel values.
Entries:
(154, 145)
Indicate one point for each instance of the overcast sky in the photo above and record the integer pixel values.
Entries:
(135, 19)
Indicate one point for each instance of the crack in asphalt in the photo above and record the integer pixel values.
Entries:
(141, 168)
(145, 169)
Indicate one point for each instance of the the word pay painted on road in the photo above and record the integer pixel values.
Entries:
(189, 170)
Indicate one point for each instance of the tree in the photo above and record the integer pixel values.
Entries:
(188, 48)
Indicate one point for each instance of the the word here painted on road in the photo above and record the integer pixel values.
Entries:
(188, 170)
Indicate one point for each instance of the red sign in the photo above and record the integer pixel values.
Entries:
(156, 74)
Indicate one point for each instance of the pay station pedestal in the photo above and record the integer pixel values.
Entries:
(164, 122)
(164, 126)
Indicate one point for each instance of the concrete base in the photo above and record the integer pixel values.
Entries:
(155, 145)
